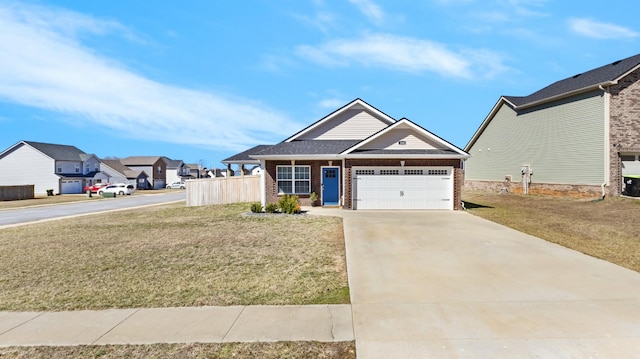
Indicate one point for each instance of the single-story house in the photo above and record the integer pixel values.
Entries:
(358, 157)
(62, 168)
(577, 136)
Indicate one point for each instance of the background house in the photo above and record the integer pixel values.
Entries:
(154, 166)
(63, 168)
(116, 172)
(177, 171)
(194, 170)
(577, 136)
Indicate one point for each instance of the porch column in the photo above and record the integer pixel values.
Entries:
(263, 184)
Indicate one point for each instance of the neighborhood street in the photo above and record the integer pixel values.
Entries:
(17, 216)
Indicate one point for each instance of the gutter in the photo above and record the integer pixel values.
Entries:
(566, 94)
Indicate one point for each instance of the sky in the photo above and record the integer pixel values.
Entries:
(201, 80)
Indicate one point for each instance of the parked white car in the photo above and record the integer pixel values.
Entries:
(179, 185)
(118, 188)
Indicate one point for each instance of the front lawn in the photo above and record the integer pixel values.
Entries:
(172, 255)
(606, 229)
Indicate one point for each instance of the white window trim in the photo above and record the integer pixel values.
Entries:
(293, 179)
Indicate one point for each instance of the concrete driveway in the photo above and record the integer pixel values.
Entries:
(451, 285)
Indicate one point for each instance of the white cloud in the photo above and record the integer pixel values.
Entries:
(332, 103)
(404, 54)
(323, 20)
(45, 66)
(370, 10)
(600, 30)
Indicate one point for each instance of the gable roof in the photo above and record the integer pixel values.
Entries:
(606, 75)
(57, 152)
(602, 76)
(119, 167)
(172, 163)
(447, 148)
(140, 160)
(300, 147)
(355, 103)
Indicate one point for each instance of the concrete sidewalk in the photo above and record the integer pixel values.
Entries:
(324, 323)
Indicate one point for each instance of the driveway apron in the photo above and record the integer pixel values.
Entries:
(442, 284)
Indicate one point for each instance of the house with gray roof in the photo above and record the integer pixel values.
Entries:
(116, 172)
(154, 166)
(358, 157)
(578, 136)
(63, 168)
(177, 171)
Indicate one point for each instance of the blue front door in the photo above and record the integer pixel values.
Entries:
(330, 186)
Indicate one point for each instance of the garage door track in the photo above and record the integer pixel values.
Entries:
(447, 284)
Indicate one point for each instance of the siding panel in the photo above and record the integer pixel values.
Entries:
(563, 142)
(353, 124)
(24, 165)
(391, 140)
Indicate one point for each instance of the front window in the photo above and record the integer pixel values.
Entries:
(77, 168)
(293, 179)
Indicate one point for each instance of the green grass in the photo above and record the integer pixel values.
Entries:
(172, 255)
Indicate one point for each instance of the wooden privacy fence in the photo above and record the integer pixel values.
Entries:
(11, 193)
(223, 190)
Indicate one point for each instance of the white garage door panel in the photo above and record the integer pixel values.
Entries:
(403, 191)
(71, 186)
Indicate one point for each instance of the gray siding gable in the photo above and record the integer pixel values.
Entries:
(564, 142)
(356, 120)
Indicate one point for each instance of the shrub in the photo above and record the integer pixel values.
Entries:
(256, 207)
(271, 208)
(289, 204)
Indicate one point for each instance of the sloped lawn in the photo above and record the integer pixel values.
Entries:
(172, 255)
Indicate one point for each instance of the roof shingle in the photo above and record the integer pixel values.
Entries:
(591, 78)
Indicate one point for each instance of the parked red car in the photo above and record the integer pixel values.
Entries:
(94, 188)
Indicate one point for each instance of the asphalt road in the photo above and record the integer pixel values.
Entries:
(18, 216)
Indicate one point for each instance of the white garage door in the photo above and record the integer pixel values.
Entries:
(403, 188)
(71, 186)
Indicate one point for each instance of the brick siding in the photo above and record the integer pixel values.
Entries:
(316, 179)
(345, 173)
(624, 134)
(577, 191)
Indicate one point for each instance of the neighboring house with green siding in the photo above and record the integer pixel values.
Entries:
(577, 136)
